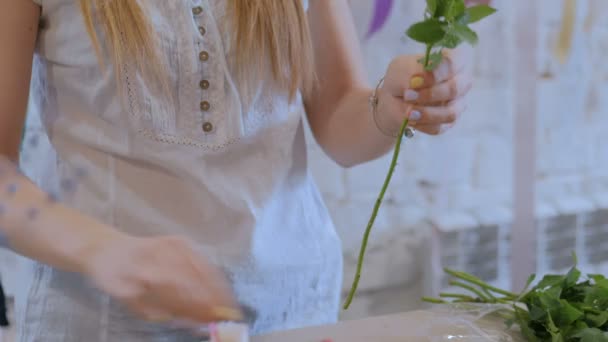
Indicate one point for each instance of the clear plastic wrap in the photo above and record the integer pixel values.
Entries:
(441, 323)
(467, 323)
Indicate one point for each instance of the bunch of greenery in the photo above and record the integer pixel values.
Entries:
(560, 308)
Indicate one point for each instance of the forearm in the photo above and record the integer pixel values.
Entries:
(349, 134)
(41, 229)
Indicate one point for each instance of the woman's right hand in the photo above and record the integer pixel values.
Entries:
(162, 279)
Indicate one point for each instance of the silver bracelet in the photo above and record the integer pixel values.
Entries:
(373, 102)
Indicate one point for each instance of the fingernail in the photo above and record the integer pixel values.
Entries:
(416, 82)
(415, 115)
(411, 95)
(227, 313)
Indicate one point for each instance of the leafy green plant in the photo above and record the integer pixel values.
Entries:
(445, 25)
(559, 308)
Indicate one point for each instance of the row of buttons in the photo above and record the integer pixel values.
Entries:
(203, 56)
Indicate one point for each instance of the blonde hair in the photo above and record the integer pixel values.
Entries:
(268, 34)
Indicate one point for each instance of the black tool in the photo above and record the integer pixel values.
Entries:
(3, 308)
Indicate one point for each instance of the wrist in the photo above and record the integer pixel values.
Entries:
(389, 121)
(386, 124)
(100, 239)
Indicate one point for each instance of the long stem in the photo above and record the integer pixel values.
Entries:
(480, 283)
(457, 296)
(427, 55)
(433, 300)
(477, 292)
(387, 180)
(368, 229)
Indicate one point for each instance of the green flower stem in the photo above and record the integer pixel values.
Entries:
(478, 293)
(427, 55)
(389, 175)
(433, 300)
(476, 281)
(387, 180)
(458, 296)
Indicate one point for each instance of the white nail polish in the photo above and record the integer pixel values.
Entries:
(415, 115)
(411, 95)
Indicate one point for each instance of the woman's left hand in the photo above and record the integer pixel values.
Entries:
(433, 101)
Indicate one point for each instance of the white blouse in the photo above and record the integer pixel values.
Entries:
(220, 162)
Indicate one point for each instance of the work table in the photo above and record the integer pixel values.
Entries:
(415, 326)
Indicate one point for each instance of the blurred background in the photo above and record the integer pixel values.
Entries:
(524, 172)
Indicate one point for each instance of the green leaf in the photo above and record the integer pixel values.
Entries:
(537, 313)
(450, 41)
(553, 330)
(602, 283)
(599, 280)
(456, 10)
(428, 32)
(465, 33)
(557, 337)
(592, 335)
(550, 298)
(442, 8)
(462, 19)
(530, 280)
(575, 294)
(573, 329)
(597, 298)
(431, 6)
(596, 277)
(566, 314)
(597, 319)
(549, 302)
(476, 13)
(572, 277)
(549, 280)
(523, 318)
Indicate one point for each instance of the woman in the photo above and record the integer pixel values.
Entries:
(186, 116)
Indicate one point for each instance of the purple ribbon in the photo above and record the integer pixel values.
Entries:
(382, 9)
